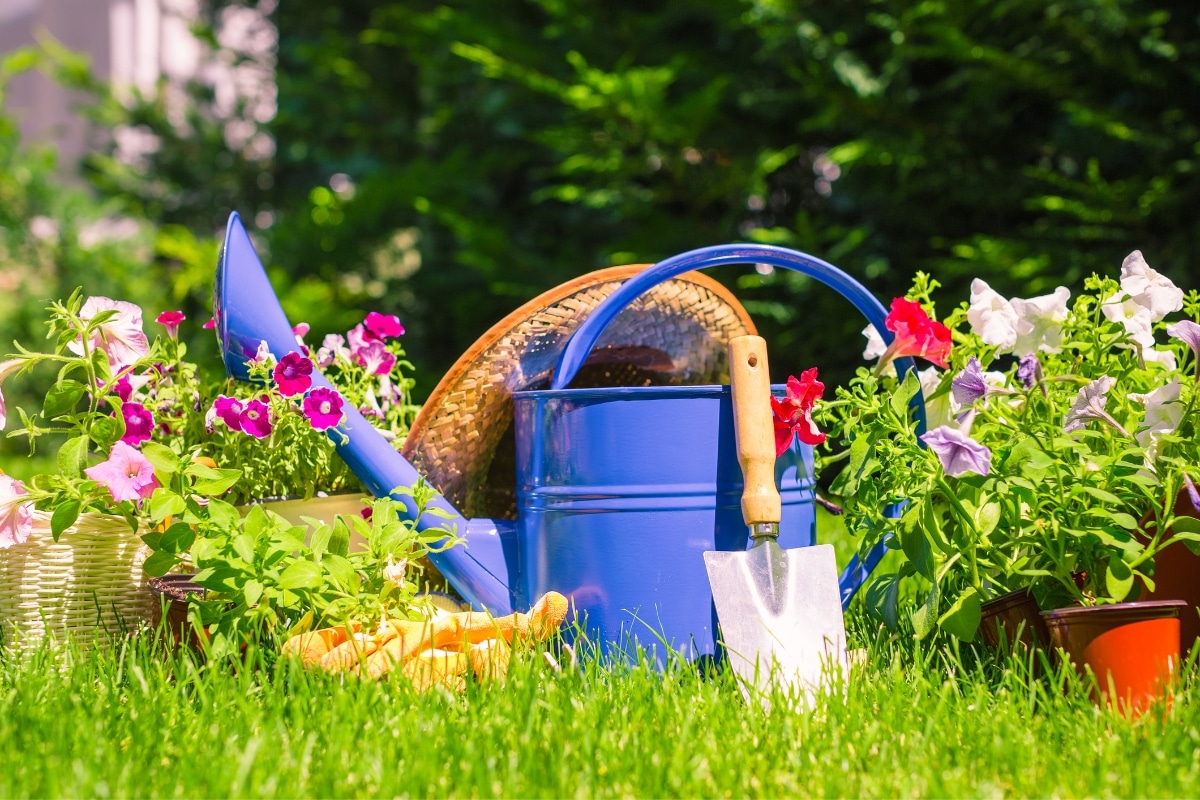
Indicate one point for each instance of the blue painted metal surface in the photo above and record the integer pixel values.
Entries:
(620, 490)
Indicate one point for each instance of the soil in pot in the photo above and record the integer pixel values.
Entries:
(1013, 618)
(1177, 577)
(1132, 649)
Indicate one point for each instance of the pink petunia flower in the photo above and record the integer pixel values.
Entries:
(127, 474)
(332, 348)
(171, 320)
(212, 323)
(357, 338)
(121, 338)
(229, 409)
(384, 326)
(256, 419)
(375, 358)
(323, 408)
(293, 374)
(792, 416)
(301, 329)
(139, 424)
(16, 514)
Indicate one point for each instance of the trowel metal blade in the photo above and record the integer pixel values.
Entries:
(780, 609)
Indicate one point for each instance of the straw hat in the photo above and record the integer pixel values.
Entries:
(675, 334)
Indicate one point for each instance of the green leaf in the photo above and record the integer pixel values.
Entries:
(64, 517)
(253, 590)
(162, 458)
(243, 545)
(905, 393)
(178, 538)
(1101, 495)
(218, 483)
(1028, 459)
(62, 398)
(301, 575)
(159, 563)
(106, 431)
(341, 570)
(860, 451)
(339, 542)
(987, 516)
(164, 503)
(1124, 520)
(916, 546)
(72, 457)
(1118, 578)
(924, 619)
(223, 515)
(962, 618)
(1185, 525)
(320, 539)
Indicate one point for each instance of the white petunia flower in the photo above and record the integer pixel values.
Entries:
(1163, 414)
(1148, 288)
(1039, 322)
(992, 318)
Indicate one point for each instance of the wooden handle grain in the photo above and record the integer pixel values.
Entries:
(753, 430)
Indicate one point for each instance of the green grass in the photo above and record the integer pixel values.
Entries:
(138, 722)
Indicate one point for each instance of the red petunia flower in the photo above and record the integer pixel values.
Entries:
(293, 374)
(793, 414)
(916, 335)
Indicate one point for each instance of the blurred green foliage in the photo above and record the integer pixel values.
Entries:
(446, 161)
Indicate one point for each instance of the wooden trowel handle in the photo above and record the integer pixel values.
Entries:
(753, 430)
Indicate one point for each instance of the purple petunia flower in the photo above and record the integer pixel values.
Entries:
(123, 388)
(1090, 404)
(1187, 332)
(1029, 371)
(293, 374)
(256, 419)
(969, 385)
(323, 408)
(139, 424)
(958, 452)
(1193, 493)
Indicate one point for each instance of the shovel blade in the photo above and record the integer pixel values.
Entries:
(780, 609)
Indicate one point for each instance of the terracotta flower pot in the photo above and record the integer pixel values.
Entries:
(1013, 616)
(1177, 577)
(1132, 649)
(171, 604)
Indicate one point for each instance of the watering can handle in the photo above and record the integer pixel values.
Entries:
(586, 335)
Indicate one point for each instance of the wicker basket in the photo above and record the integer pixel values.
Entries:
(89, 583)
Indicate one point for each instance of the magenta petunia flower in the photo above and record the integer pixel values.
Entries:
(16, 512)
(212, 323)
(127, 474)
(375, 358)
(139, 424)
(323, 407)
(171, 320)
(256, 419)
(293, 374)
(301, 329)
(229, 409)
(383, 325)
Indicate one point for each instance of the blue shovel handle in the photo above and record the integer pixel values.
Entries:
(587, 334)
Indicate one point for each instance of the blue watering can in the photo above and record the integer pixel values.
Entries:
(619, 490)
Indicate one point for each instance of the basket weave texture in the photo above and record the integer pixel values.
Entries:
(88, 583)
(675, 334)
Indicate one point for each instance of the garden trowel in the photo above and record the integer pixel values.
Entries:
(780, 610)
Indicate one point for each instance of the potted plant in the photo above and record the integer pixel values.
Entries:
(1054, 430)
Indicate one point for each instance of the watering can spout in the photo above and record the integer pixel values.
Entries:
(247, 313)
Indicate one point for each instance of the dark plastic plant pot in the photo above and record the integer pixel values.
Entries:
(1132, 649)
(1177, 577)
(1013, 618)
(171, 592)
